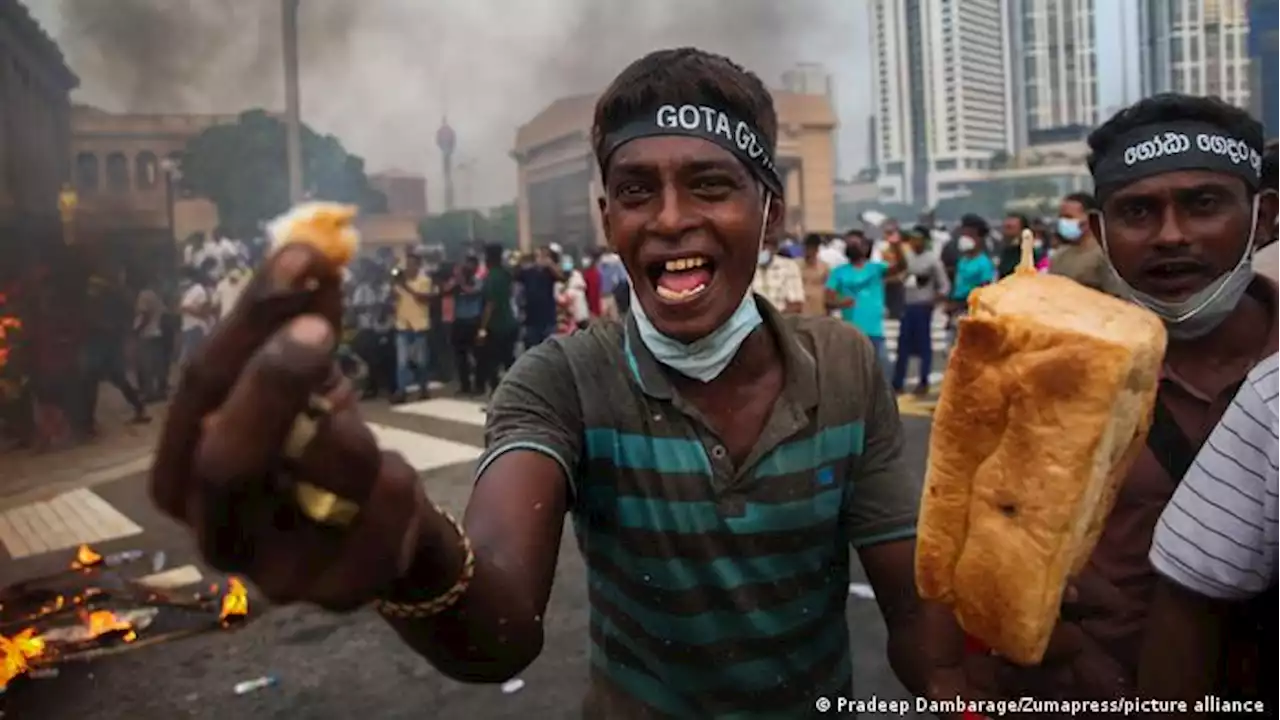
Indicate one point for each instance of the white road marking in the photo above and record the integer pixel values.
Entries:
(68, 520)
(862, 590)
(467, 412)
(423, 452)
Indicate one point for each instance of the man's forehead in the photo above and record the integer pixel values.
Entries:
(1173, 182)
(649, 153)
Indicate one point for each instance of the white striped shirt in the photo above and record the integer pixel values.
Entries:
(1217, 536)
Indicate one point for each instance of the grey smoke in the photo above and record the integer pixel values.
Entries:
(380, 74)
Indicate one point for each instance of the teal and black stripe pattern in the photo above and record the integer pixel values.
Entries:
(713, 596)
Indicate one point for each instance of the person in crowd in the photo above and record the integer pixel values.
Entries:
(1080, 257)
(857, 289)
(196, 308)
(972, 226)
(592, 280)
(778, 279)
(496, 338)
(709, 597)
(834, 253)
(413, 292)
(233, 282)
(440, 314)
(813, 275)
(372, 306)
(148, 314)
(1266, 260)
(1178, 230)
(973, 270)
(537, 282)
(468, 311)
(571, 296)
(109, 311)
(1010, 248)
(612, 275)
(892, 250)
(926, 283)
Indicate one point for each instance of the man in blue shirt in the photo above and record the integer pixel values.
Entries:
(468, 308)
(858, 290)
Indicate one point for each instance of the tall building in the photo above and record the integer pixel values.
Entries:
(1198, 47)
(1055, 69)
(1264, 20)
(943, 100)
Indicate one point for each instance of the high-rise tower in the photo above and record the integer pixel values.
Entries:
(447, 140)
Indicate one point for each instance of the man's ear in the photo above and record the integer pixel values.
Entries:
(1095, 224)
(604, 220)
(1268, 205)
(775, 214)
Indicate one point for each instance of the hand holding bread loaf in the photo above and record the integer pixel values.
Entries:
(1046, 402)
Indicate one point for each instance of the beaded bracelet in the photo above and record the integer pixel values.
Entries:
(447, 599)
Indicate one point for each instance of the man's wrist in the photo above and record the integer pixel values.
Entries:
(437, 560)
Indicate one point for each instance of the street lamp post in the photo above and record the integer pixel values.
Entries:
(292, 107)
(68, 201)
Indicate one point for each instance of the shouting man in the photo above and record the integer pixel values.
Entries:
(718, 458)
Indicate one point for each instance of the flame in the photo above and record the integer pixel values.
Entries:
(86, 557)
(235, 602)
(16, 653)
(101, 622)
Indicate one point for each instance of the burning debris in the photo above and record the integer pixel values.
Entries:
(91, 610)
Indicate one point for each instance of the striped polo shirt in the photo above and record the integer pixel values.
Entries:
(1217, 536)
(715, 590)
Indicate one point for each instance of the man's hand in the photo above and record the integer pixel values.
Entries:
(222, 469)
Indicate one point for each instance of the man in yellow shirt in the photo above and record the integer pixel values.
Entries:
(413, 291)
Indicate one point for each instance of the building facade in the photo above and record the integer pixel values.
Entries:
(941, 70)
(558, 182)
(1264, 20)
(35, 84)
(124, 166)
(406, 192)
(1055, 68)
(1198, 47)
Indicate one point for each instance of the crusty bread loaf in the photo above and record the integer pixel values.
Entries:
(328, 227)
(1046, 401)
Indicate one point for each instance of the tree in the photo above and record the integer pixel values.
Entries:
(242, 168)
(459, 230)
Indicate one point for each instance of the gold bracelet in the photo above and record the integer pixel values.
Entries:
(447, 599)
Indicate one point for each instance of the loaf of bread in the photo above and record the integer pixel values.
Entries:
(328, 227)
(1046, 402)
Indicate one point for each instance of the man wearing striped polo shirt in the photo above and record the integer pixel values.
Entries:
(717, 458)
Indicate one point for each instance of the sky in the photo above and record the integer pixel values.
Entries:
(382, 74)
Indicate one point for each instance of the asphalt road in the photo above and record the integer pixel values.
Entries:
(332, 667)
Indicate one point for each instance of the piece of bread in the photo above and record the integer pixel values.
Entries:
(328, 227)
(1046, 402)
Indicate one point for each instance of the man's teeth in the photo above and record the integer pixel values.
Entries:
(667, 294)
(684, 264)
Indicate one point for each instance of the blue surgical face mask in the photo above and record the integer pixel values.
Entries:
(705, 358)
(1200, 314)
(566, 265)
(763, 258)
(1070, 230)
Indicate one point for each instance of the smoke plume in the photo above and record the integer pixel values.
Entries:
(381, 74)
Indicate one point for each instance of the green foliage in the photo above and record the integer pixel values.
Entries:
(243, 169)
(460, 230)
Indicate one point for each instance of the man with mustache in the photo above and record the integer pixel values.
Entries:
(1182, 202)
(717, 457)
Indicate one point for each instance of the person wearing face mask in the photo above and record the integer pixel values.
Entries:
(779, 279)
(973, 270)
(1079, 257)
(1179, 179)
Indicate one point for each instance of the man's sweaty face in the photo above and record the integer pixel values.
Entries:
(685, 217)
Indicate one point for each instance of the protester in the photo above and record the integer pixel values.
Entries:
(233, 282)
(857, 289)
(814, 274)
(196, 307)
(538, 290)
(109, 310)
(1079, 256)
(709, 597)
(592, 279)
(149, 311)
(612, 276)
(1010, 252)
(778, 279)
(413, 291)
(973, 270)
(926, 285)
(468, 309)
(373, 313)
(496, 338)
(1176, 228)
(571, 296)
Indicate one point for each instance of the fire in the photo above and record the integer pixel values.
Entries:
(15, 654)
(101, 622)
(86, 557)
(7, 323)
(235, 601)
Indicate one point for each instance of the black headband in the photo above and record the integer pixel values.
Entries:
(1170, 147)
(709, 123)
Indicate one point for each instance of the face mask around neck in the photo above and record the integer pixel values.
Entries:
(705, 358)
(1202, 312)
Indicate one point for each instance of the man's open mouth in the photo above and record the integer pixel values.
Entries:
(682, 279)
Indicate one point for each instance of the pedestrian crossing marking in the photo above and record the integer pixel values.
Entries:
(71, 519)
(917, 407)
(460, 411)
(423, 452)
